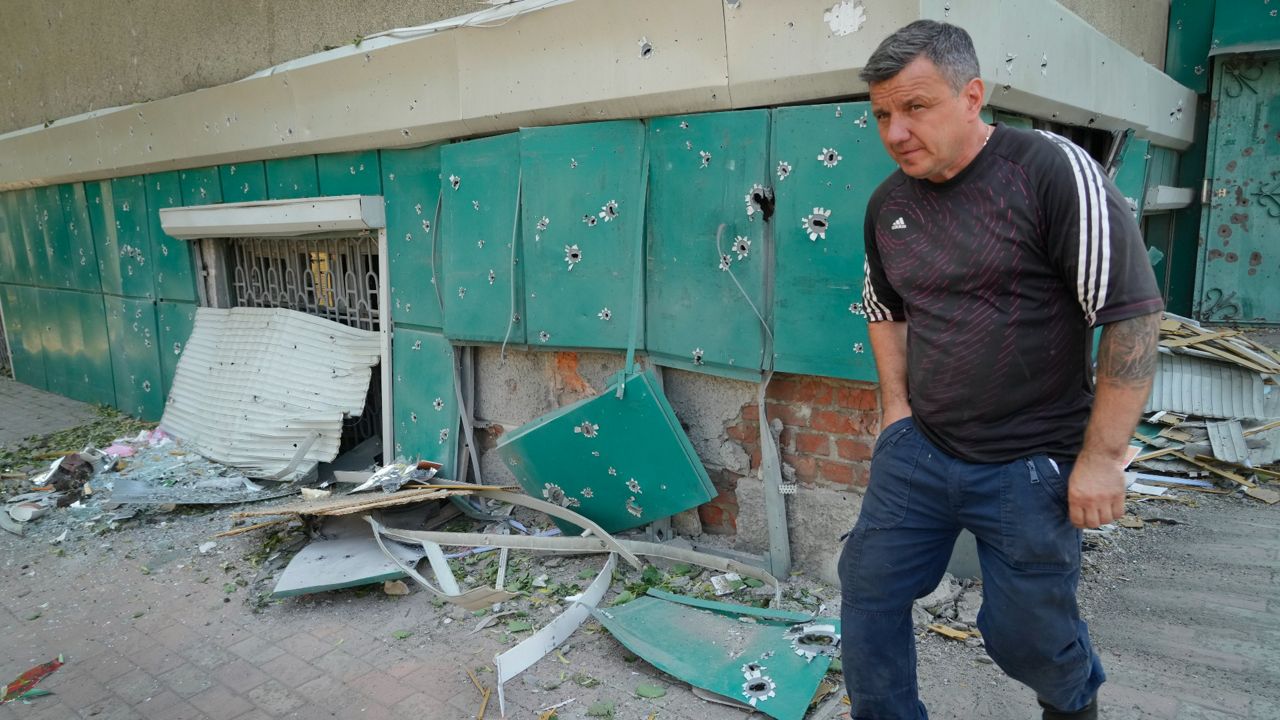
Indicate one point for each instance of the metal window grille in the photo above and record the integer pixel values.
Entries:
(333, 278)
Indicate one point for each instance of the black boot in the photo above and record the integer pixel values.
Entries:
(1089, 712)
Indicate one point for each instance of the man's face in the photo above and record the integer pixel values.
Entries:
(923, 123)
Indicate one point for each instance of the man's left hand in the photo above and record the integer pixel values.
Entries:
(1095, 491)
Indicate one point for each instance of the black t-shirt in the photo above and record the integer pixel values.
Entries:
(1000, 273)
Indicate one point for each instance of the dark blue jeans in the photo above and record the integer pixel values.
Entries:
(918, 499)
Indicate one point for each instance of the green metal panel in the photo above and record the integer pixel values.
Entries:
(175, 320)
(60, 328)
(1157, 232)
(623, 462)
(832, 160)
(243, 182)
(93, 366)
(587, 182)
(728, 651)
(1186, 57)
(174, 269)
(83, 251)
(696, 316)
(1017, 121)
(480, 185)
(411, 187)
(24, 330)
(133, 237)
(7, 260)
(1241, 264)
(32, 264)
(293, 177)
(135, 357)
(51, 238)
(423, 398)
(200, 186)
(1245, 25)
(102, 220)
(352, 173)
(1131, 178)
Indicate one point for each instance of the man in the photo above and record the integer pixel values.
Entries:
(991, 253)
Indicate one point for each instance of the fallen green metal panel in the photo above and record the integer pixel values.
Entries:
(174, 269)
(94, 375)
(293, 177)
(243, 182)
(135, 357)
(351, 173)
(1131, 179)
(175, 320)
(200, 186)
(828, 160)
(425, 407)
(134, 254)
(51, 238)
(583, 233)
(1186, 57)
(696, 316)
(84, 274)
(754, 662)
(24, 331)
(723, 608)
(411, 187)
(480, 185)
(622, 462)
(1241, 261)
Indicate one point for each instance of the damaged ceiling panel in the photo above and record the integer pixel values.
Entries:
(710, 197)
(1207, 388)
(827, 159)
(622, 461)
(266, 389)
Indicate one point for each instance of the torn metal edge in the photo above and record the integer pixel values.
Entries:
(537, 646)
(473, 599)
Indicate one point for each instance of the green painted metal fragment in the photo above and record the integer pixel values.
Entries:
(623, 462)
(425, 407)
(411, 188)
(774, 667)
(174, 270)
(478, 226)
(584, 211)
(293, 177)
(828, 160)
(708, 171)
(349, 173)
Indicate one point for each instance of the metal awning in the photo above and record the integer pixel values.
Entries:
(304, 217)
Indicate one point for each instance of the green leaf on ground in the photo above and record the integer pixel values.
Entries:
(649, 690)
(602, 709)
(515, 626)
(401, 634)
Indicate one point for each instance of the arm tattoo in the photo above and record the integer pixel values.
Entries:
(1127, 353)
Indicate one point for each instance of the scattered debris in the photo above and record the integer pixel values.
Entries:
(951, 633)
(24, 686)
(395, 588)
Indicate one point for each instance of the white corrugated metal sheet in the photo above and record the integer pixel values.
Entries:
(1206, 388)
(256, 384)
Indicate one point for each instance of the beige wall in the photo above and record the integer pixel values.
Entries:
(65, 57)
(1141, 26)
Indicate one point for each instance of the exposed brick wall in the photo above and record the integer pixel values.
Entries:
(828, 428)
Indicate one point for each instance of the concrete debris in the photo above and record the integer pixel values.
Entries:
(943, 595)
(968, 605)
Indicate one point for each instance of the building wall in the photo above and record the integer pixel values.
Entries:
(66, 57)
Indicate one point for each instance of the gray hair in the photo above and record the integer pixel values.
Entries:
(949, 48)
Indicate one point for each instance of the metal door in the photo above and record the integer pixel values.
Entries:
(1240, 268)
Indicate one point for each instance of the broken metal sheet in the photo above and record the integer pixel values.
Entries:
(1264, 447)
(593, 545)
(255, 384)
(1227, 439)
(1167, 480)
(473, 599)
(536, 646)
(622, 461)
(1207, 388)
(771, 666)
(342, 563)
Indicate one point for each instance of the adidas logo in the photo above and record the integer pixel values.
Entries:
(898, 224)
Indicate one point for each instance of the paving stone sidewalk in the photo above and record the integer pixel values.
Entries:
(26, 411)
